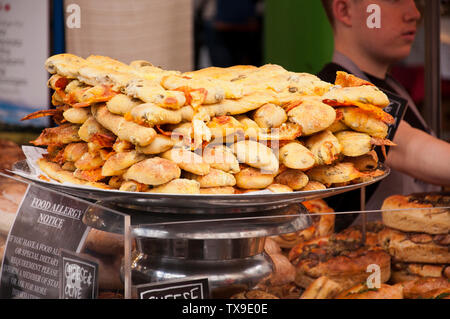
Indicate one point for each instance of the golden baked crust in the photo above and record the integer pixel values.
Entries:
(178, 186)
(153, 171)
(312, 115)
(293, 178)
(127, 114)
(415, 247)
(363, 292)
(402, 272)
(296, 156)
(325, 147)
(250, 178)
(225, 190)
(353, 266)
(254, 294)
(55, 172)
(366, 162)
(362, 121)
(421, 217)
(215, 178)
(352, 94)
(279, 188)
(440, 293)
(334, 174)
(341, 257)
(120, 161)
(425, 287)
(188, 161)
(322, 288)
(323, 225)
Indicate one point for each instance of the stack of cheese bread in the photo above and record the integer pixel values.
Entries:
(417, 237)
(137, 127)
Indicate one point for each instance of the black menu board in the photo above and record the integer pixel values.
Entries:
(46, 222)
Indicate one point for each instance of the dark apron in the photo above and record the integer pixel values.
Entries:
(396, 182)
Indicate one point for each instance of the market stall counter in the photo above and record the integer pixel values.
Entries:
(291, 254)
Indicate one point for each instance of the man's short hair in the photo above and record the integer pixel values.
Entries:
(328, 6)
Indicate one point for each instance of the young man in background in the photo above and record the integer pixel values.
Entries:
(420, 162)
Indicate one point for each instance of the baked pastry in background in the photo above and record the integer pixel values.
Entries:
(341, 257)
(440, 293)
(426, 288)
(402, 271)
(361, 291)
(10, 153)
(418, 228)
(322, 288)
(415, 213)
(254, 294)
(417, 237)
(416, 247)
(323, 225)
(11, 194)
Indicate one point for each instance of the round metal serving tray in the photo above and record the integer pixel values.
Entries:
(195, 203)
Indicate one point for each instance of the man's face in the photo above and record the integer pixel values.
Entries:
(393, 40)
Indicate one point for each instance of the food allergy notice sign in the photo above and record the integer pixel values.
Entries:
(46, 223)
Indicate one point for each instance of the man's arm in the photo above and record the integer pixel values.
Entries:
(420, 155)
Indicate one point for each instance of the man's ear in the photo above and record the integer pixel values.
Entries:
(342, 12)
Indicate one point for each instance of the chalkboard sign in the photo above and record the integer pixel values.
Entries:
(397, 109)
(78, 276)
(46, 222)
(186, 288)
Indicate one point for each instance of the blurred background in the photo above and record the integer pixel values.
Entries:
(175, 34)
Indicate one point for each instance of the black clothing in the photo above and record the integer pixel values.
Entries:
(328, 74)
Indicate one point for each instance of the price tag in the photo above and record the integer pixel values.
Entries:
(186, 288)
(78, 277)
(46, 222)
